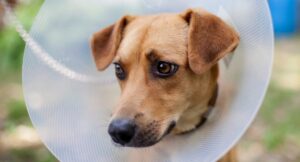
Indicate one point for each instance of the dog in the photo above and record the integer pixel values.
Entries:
(167, 69)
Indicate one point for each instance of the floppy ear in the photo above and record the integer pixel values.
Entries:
(105, 43)
(209, 39)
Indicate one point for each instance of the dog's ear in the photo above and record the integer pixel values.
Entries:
(209, 39)
(105, 43)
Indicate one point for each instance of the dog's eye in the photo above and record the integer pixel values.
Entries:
(165, 69)
(119, 71)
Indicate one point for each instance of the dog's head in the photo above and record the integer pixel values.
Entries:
(166, 67)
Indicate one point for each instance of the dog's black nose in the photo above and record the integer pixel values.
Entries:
(122, 130)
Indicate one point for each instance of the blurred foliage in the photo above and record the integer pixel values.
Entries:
(11, 56)
(281, 108)
(11, 45)
(282, 115)
(17, 115)
(30, 155)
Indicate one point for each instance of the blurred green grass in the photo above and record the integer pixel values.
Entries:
(11, 45)
(11, 57)
(17, 115)
(282, 115)
(38, 155)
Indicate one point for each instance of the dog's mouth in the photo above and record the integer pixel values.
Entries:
(149, 139)
(169, 129)
(146, 137)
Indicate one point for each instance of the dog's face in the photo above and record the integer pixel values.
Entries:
(164, 66)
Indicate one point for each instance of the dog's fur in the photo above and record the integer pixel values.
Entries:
(195, 40)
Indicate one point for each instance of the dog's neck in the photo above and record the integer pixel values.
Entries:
(195, 116)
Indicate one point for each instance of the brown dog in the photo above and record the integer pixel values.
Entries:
(167, 70)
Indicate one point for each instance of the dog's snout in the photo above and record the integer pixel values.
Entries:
(122, 130)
